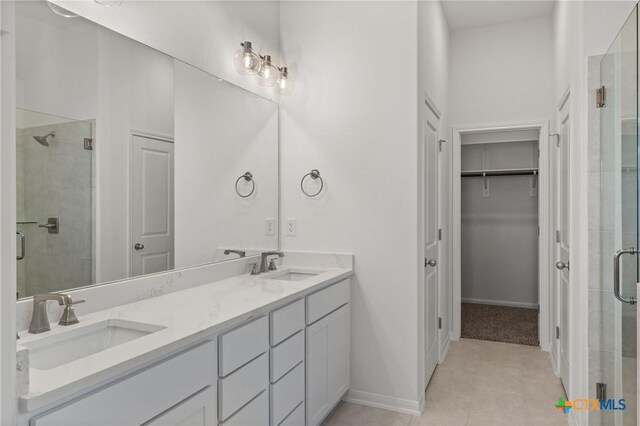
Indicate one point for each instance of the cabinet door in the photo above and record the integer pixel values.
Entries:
(199, 410)
(327, 363)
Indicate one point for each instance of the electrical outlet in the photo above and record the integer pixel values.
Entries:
(269, 226)
(292, 228)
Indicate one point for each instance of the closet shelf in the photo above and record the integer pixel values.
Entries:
(499, 172)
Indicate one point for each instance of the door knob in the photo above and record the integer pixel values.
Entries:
(430, 262)
(138, 246)
(562, 265)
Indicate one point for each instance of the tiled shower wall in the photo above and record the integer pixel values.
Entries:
(606, 314)
(55, 181)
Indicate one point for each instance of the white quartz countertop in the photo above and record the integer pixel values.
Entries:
(189, 316)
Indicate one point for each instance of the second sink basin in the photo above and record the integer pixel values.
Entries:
(294, 274)
(53, 351)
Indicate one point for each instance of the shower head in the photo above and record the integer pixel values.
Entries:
(42, 140)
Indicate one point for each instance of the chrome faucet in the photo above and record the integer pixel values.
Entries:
(240, 253)
(39, 317)
(265, 256)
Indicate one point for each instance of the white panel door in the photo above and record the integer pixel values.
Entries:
(561, 281)
(430, 150)
(152, 236)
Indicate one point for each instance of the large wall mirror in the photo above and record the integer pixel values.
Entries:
(130, 162)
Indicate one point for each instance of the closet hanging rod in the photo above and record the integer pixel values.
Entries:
(498, 172)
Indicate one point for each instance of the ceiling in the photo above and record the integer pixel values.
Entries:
(477, 13)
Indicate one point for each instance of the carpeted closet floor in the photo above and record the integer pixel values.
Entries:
(500, 324)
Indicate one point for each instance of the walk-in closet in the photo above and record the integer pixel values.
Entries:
(499, 235)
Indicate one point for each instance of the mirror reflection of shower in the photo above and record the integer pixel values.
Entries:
(54, 183)
(42, 140)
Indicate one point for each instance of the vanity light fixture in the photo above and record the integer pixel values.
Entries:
(248, 62)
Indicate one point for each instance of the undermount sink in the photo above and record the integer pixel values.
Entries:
(294, 275)
(59, 349)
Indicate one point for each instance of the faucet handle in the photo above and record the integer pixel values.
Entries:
(69, 314)
(272, 265)
(254, 268)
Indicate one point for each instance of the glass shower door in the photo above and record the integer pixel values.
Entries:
(613, 307)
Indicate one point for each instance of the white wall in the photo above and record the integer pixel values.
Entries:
(499, 232)
(204, 34)
(222, 132)
(353, 116)
(8, 400)
(502, 73)
(57, 63)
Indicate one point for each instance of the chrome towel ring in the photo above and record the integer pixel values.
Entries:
(313, 174)
(248, 177)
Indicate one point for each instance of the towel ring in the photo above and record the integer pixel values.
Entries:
(314, 174)
(247, 176)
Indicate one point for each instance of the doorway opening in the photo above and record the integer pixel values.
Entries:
(500, 231)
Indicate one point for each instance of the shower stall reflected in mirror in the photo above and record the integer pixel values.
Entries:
(55, 181)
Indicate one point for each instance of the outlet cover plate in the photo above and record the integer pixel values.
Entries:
(292, 228)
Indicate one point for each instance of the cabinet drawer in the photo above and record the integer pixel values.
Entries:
(143, 396)
(286, 394)
(198, 410)
(254, 413)
(239, 346)
(327, 300)
(286, 321)
(242, 386)
(296, 418)
(286, 355)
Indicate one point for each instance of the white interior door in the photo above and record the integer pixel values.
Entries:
(431, 149)
(561, 279)
(152, 236)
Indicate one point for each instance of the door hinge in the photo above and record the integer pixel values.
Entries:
(557, 332)
(601, 391)
(439, 323)
(538, 231)
(557, 236)
(538, 308)
(440, 142)
(440, 234)
(88, 144)
(557, 136)
(601, 94)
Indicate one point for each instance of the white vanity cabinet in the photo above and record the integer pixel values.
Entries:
(327, 350)
(243, 367)
(286, 367)
(287, 389)
(149, 395)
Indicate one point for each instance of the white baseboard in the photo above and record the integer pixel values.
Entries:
(400, 405)
(501, 303)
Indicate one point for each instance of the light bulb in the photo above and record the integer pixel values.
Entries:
(268, 74)
(247, 61)
(284, 83)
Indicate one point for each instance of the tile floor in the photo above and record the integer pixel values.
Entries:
(480, 383)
